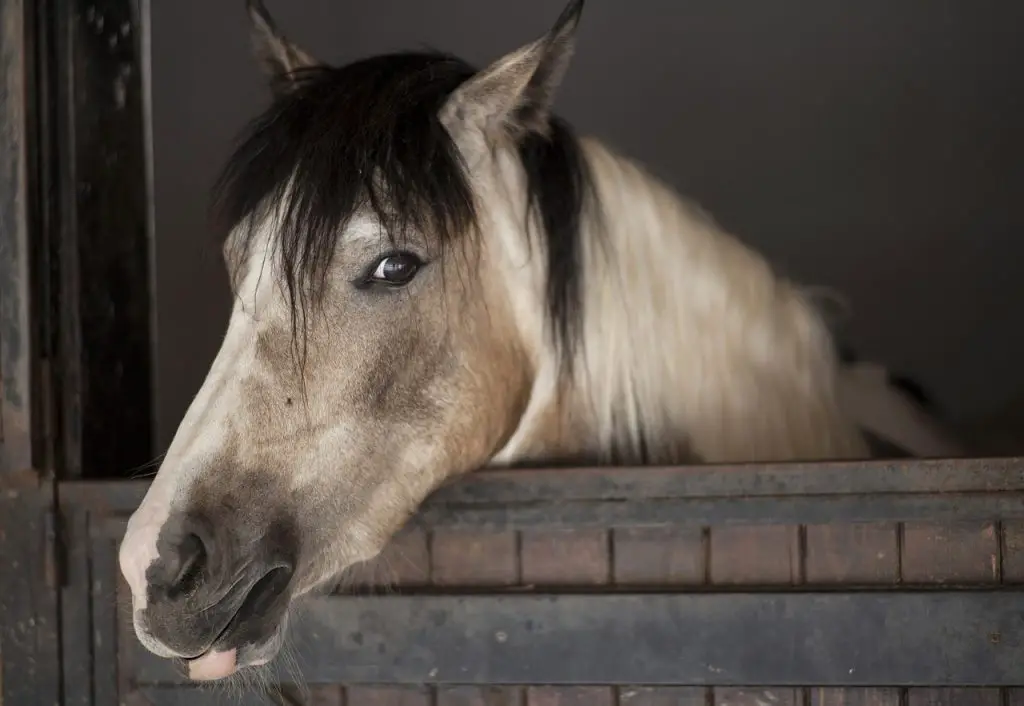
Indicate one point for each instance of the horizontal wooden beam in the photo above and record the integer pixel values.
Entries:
(947, 638)
(695, 496)
(678, 512)
(539, 485)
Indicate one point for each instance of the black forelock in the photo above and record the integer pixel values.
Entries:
(364, 134)
(369, 134)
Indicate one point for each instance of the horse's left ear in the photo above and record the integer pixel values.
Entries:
(516, 92)
(279, 57)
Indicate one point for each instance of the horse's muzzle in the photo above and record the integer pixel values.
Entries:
(208, 592)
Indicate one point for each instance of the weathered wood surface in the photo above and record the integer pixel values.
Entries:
(15, 336)
(100, 248)
(695, 496)
(776, 639)
(923, 610)
(29, 621)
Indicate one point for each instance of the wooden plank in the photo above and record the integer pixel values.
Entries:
(101, 250)
(670, 513)
(852, 554)
(566, 557)
(695, 512)
(1013, 551)
(570, 696)
(325, 695)
(659, 556)
(126, 642)
(387, 696)
(479, 696)
(663, 696)
(952, 552)
(859, 482)
(29, 624)
(104, 576)
(769, 639)
(470, 558)
(855, 697)
(755, 555)
(197, 696)
(1015, 697)
(953, 697)
(952, 476)
(16, 339)
(750, 696)
(77, 663)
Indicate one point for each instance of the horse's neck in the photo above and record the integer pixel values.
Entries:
(692, 347)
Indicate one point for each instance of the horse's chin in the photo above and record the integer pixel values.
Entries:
(260, 654)
(221, 662)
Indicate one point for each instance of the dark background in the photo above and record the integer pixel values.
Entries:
(873, 147)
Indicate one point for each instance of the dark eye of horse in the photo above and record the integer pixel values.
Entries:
(396, 269)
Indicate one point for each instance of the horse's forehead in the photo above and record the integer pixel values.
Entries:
(255, 292)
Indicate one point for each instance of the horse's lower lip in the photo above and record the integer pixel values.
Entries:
(214, 665)
(261, 595)
(249, 655)
(222, 636)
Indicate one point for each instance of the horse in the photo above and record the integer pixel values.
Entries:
(432, 273)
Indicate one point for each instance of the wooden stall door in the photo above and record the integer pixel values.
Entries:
(879, 584)
(29, 627)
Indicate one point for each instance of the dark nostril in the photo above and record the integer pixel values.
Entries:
(264, 593)
(192, 560)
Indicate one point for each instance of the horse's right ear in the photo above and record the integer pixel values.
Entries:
(514, 95)
(280, 58)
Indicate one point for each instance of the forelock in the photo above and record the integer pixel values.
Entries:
(362, 136)
(368, 135)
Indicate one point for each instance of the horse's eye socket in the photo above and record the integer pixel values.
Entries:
(396, 269)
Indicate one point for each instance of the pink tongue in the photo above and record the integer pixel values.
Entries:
(212, 665)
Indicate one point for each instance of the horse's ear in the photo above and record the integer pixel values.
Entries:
(516, 92)
(279, 57)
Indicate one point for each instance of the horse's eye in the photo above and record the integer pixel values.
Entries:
(396, 269)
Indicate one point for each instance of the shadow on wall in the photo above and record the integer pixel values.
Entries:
(873, 148)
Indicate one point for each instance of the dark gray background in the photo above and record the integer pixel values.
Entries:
(871, 146)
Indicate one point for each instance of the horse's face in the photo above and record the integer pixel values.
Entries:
(313, 438)
(288, 467)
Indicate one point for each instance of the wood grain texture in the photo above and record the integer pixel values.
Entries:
(474, 558)
(480, 696)
(387, 696)
(855, 697)
(753, 696)
(856, 553)
(659, 556)
(950, 552)
(566, 557)
(755, 555)
(663, 696)
(15, 330)
(570, 696)
(953, 697)
(1013, 551)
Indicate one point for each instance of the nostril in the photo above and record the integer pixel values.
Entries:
(192, 560)
(264, 593)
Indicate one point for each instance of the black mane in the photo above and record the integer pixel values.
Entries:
(378, 117)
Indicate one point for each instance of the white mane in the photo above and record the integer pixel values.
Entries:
(695, 349)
